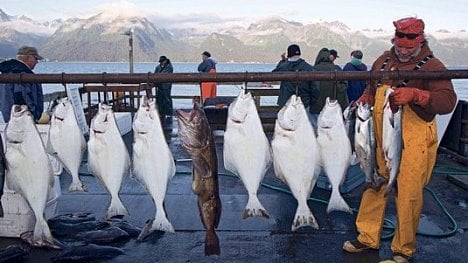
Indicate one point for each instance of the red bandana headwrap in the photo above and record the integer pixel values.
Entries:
(409, 32)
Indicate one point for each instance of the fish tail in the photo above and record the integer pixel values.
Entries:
(77, 186)
(151, 226)
(42, 237)
(303, 217)
(337, 203)
(254, 208)
(116, 208)
(211, 243)
(390, 188)
(162, 223)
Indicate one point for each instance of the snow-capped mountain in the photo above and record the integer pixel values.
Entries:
(100, 38)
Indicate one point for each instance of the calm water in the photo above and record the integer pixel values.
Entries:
(461, 85)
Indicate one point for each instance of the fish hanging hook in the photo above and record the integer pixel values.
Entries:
(335, 86)
(245, 82)
(297, 83)
(63, 81)
(394, 81)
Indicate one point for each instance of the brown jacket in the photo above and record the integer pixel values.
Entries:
(443, 98)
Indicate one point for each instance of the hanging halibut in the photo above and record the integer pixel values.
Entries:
(247, 150)
(108, 158)
(335, 151)
(153, 164)
(29, 171)
(295, 157)
(67, 141)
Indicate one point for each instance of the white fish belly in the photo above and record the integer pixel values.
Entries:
(29, 171)
(108, 159)
(247, 154)
(153, 165)
(69, 143)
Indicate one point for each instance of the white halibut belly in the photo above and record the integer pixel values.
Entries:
(153, 165)
(29, 173)
(109, 160)
(68, 142)
(247, 154)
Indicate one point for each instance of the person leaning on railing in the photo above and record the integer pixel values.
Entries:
(421, 100)
(163, 90)
(29, 94)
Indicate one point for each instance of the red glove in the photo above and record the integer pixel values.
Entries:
(401, 96)
(366, 99)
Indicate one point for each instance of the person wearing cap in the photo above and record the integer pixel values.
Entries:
(355, 87)
(29, 94)
(421, 101)
(208, 64)
(333, 89)
(163, 90)
(333, 55)
(307, 90)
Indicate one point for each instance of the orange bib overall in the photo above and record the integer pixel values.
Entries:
(208, 89)
(417, 161)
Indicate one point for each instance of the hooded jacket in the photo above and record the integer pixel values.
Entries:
(307, 90)
(29, 94)
(443, 97)
(323, 63)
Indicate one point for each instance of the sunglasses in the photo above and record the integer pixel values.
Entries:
(408, 36)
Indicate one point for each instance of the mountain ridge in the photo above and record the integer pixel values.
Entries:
(99, 38)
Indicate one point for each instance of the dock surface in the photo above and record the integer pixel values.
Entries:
(258, 239)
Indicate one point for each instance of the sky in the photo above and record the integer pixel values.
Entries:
(356, 14)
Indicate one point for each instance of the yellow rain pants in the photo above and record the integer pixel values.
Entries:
(417, 161)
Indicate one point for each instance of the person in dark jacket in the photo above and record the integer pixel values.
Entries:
(163, 90)
(208, 64)
(333, 89)
(307, 90)
(29, 94)
(355, 87)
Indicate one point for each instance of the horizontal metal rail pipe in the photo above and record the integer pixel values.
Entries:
(238, 77)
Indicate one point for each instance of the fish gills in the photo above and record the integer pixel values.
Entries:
(153, 163)
(295, 157)
(365, 146)
(108, 157)
(392, 140)
(335, 151)
(29, 171)
(196, 138)
(246, 149)
(67, 141)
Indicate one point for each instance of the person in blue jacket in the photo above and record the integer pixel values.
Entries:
(29, 94)
(355, 87)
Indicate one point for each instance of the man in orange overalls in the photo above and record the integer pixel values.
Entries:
(208, 64)
(421, 100)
